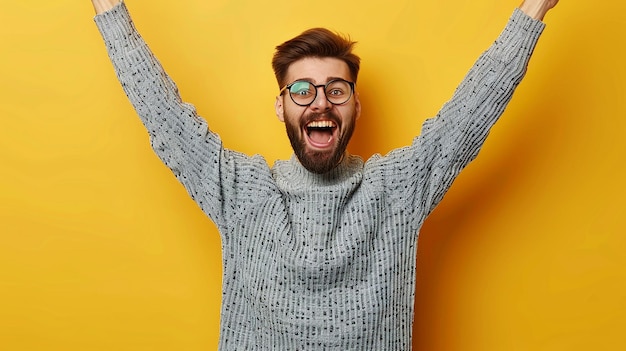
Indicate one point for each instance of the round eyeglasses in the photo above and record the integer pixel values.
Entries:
(303, 93)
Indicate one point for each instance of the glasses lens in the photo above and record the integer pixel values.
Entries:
(338, 91)
(302, 92)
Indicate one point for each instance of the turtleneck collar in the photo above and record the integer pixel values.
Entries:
(290, 175)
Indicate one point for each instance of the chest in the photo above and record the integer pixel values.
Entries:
(319, 239)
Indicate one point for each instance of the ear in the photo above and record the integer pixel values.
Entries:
(357, 104)
(280, 108)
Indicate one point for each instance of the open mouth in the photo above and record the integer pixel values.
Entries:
(321, 134)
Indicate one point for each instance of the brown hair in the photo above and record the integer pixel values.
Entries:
(315, 42)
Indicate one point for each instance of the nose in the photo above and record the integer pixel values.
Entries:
(321, 103)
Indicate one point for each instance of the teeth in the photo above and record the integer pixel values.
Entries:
(321, 124)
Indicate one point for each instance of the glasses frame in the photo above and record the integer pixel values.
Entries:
(325, 86)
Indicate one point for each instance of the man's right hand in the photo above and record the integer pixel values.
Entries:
(104, 5)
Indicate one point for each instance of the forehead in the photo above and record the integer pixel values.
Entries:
(318, 70)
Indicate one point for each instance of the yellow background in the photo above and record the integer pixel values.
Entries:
(101, 248)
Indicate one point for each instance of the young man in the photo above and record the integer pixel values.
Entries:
(319, 251)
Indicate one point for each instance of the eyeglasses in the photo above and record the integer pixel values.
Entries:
(303, 93)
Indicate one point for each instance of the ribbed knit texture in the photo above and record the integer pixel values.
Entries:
(318, 262)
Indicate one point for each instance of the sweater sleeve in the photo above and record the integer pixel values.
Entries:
(422, 173)
(180, 138)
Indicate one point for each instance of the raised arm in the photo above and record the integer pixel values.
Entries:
(454, 137)
(537, 9)
(102, 6)
(179, 136)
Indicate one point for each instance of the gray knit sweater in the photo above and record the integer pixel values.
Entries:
(318, 262)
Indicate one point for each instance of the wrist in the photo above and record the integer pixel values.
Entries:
(102, 6)
(535, 9)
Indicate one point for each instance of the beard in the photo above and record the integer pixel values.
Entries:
(317, 161)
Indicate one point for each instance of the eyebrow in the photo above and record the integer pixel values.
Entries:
(311, 80)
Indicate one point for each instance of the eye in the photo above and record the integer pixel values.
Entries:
(337, 88)
(301, 92)
(335, 92)
(300, 89)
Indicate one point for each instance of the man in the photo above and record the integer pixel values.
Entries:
(319, 251)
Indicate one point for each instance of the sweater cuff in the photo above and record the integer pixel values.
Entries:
(518, 39)
(116, 24)
(520, 20)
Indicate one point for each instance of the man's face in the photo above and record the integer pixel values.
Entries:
(319, 133)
